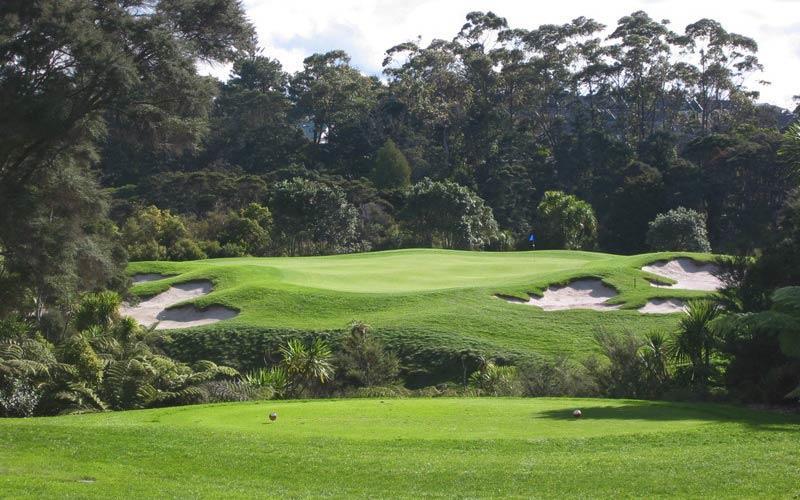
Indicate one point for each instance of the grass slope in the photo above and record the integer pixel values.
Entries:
(406, 448)
(430, 296)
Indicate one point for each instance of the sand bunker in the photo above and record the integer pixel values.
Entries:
(141, 278)
(663, 306)
(155, 309)
(688, 274)
(580, 294)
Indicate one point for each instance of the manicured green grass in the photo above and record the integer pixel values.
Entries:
(406, 448)
(446, 297)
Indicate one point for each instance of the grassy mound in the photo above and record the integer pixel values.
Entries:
(411, 448)
(421, 300)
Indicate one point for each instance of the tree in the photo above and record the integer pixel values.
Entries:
(696, 339)
(307, 364)
(250, 122)
(764, 347)
(680, 229)
(724, 59)
(331, 94)
(68, 69)
(311, 217)
(564, 221)
(634, 203)
(448, 215)
(363, 360)
(642, 72)
(391, 168)
(153, 234)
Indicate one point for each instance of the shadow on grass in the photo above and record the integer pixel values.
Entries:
(666, 412)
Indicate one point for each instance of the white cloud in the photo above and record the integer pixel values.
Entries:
(290, 31)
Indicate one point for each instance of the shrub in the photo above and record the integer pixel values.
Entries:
(312, 217)
(221, 391)
(363, 360)
(273, 381)
(19, 400)
(558, 377)
(633, 367)
(391, 168)
(99, 309)
(186, 249)
(496, 380)
(448, 215)
(564, 221)
(680, 229)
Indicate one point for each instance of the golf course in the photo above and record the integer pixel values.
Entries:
(447, 298)
(264, 249)
(407, 448)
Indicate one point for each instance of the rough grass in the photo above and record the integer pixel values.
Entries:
(406, 448)
(431, 296)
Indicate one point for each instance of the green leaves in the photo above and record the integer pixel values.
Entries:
(563, 221)
(307, 364)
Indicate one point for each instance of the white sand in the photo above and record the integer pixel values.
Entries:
(141, 278)
(663, 306)
(155, 309)
(688, 274)
(579, 294)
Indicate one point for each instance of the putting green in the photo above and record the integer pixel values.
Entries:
(406, 448)
(428, 299)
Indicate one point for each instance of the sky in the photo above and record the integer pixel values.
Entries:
(291, 30)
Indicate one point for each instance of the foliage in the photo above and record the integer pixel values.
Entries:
(766, 348)
(362, 359)
(154, 234)
(71, 72)
(312, 218)
(696, 339)
(274, 380)
(496, 380)
(680, 229)
(19, 399)
(561, 376)
(109, 363)
(391, 168)
(564, 221)
(308, 366)
(448, 215)
(633, 367)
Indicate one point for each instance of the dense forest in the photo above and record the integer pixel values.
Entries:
(625, 138)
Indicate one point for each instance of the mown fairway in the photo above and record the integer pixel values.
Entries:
(413, 447)
(427, 296)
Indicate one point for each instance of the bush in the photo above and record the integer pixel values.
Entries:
(19, 400)
(186, 249)
(312, 217)
(391, 168)
(559, 377)
(496, 380)
(633, 367)
(363, 360)
(99, 309)
(565, 222)
(273, 382)
(449, 215)
(222, 391)
(680, 229)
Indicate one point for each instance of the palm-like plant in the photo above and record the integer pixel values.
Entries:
(696, 338)
(274, 380)
(307, 364)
